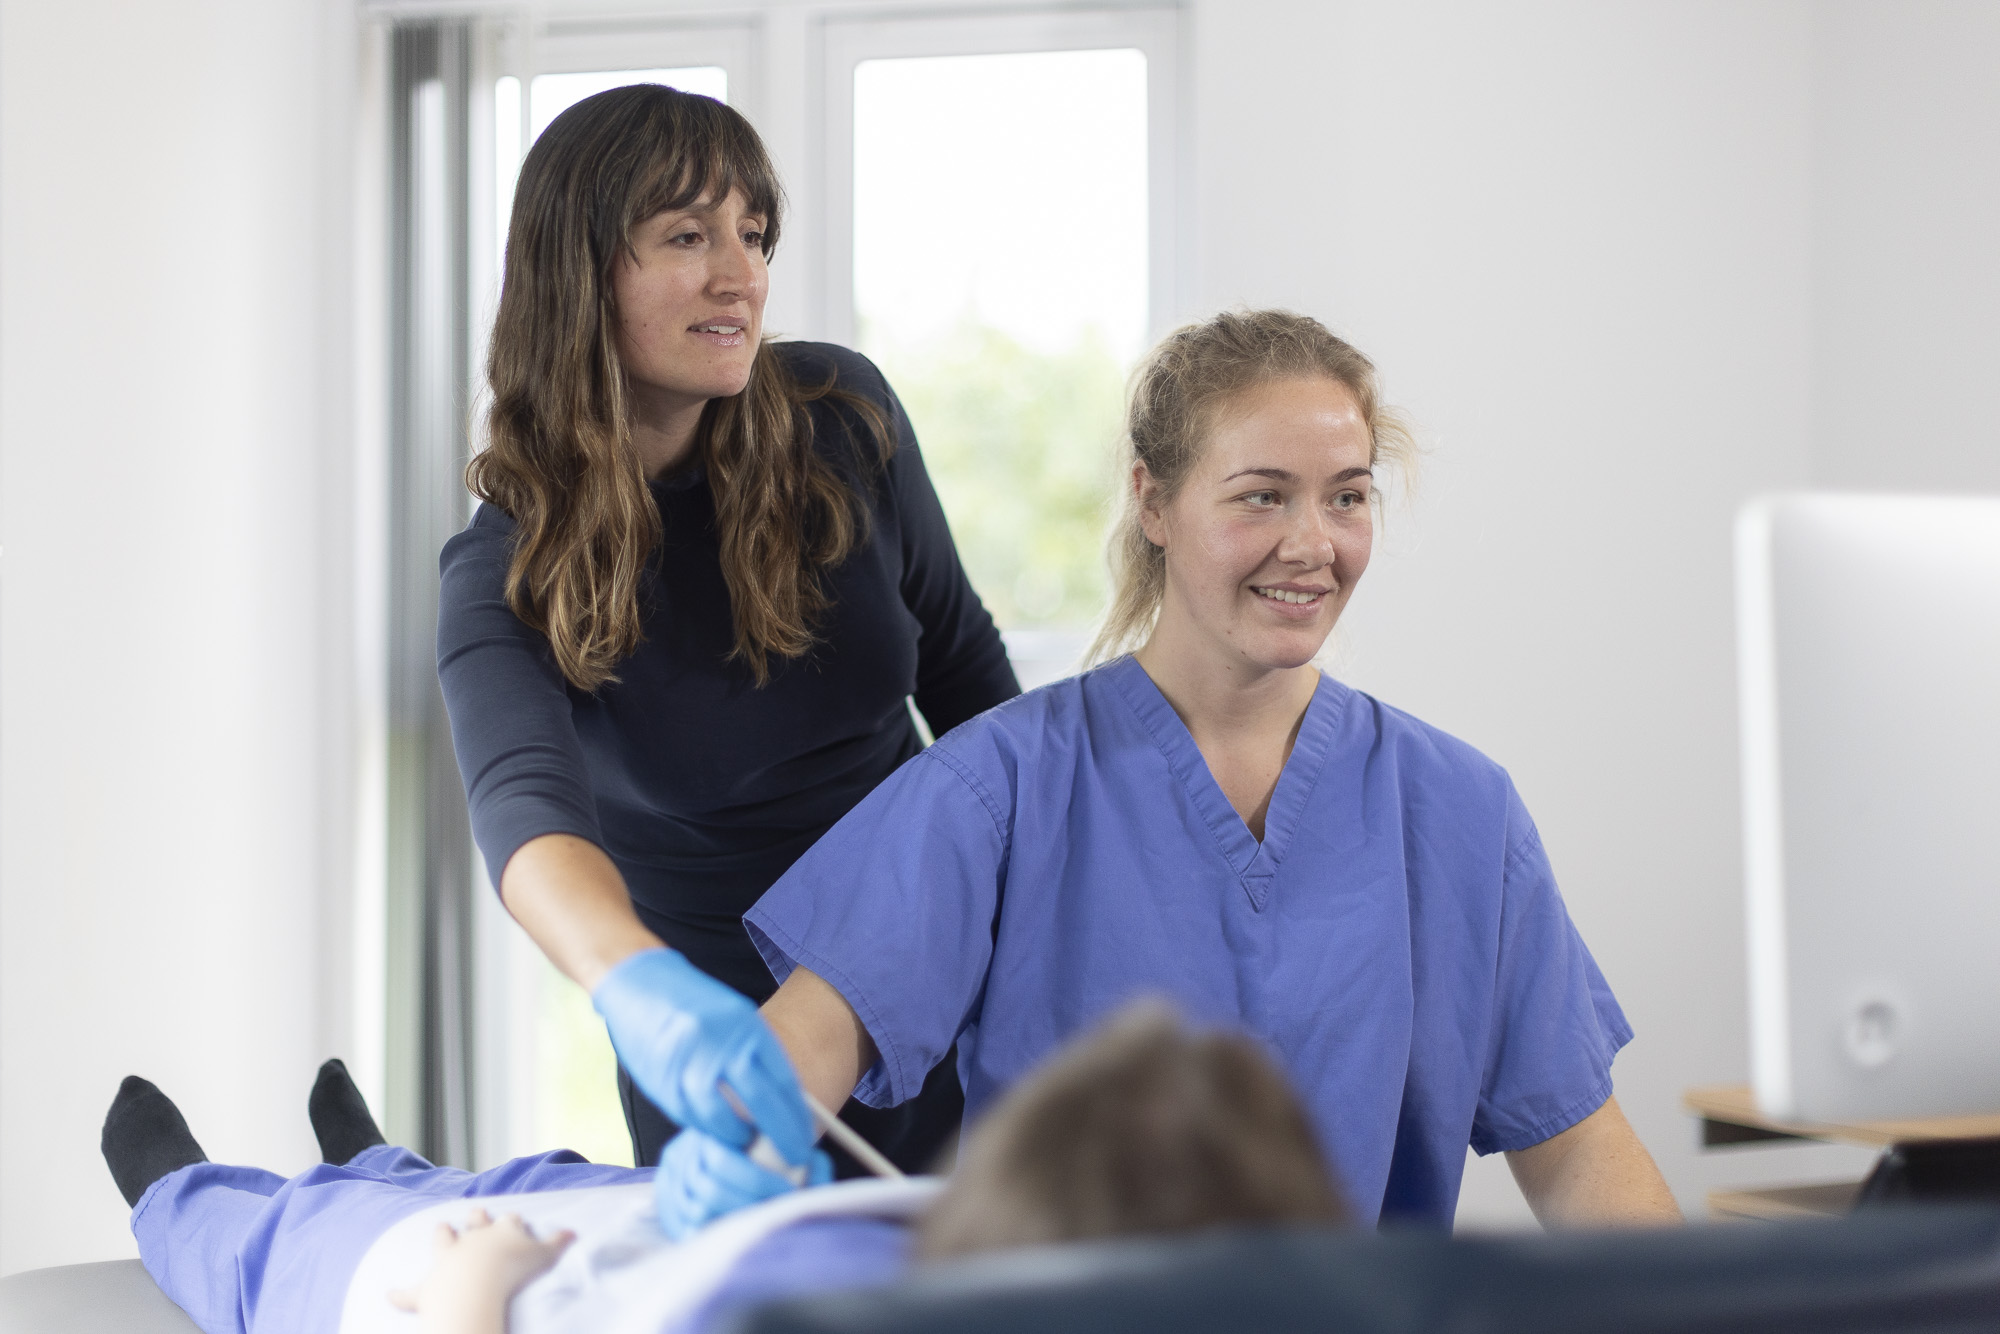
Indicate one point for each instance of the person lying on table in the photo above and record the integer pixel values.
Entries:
(1141, 1128)
(1212, 818)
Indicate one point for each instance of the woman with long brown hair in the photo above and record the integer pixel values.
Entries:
(677, 639)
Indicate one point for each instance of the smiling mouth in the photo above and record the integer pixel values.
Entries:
(1291, 596)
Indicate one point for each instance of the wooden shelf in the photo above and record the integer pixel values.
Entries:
(1732, 1105)
(1824, 1200)
(1729, 1115)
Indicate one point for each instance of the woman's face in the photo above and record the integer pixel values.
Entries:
(1272, 529)
(690, 300)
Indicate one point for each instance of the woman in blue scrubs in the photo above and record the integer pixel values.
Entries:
(1212, 819)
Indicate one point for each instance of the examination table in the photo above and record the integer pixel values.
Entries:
(1935, 1270)
(110, 1297)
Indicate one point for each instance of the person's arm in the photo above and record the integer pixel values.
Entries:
(689, 1041)
(681, 1034)
(476, 1274)
(684, 1036)
(1595, 1174)
(512, 729)
(897, 902)
(828, 1045)
(572, 902)
(701, 1179)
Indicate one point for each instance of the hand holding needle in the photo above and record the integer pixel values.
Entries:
(765, 1154)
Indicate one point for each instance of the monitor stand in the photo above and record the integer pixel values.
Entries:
(1940, 1159)
(1950, 1171)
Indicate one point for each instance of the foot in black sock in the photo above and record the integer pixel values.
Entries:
(340, 1116)
(145, 1137)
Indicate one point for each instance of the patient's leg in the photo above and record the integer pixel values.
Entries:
(340, 1118)
(245, 1251)
(145, 1137)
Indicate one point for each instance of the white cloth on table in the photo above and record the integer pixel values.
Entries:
(621, 1275)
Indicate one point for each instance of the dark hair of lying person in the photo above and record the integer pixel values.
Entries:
(1143, 1129)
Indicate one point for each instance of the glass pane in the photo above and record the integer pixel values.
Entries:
(1000, 271)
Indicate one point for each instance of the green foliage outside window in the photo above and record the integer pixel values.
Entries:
(1022, 447)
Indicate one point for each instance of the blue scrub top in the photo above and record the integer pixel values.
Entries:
(1397, 938)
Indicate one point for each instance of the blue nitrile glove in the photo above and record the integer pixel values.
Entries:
(700, 1178)
(682, 1035)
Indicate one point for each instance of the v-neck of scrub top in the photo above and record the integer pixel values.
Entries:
(1255, 863)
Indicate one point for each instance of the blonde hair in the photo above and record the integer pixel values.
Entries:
(559, 459)
(1177, 394)
(1139, 1128)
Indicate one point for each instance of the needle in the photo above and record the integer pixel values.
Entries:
(765, 1154)
(843, 1134)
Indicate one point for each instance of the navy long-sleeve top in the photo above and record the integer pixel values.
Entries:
(700, 786)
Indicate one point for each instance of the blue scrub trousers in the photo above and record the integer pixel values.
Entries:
(245, 1251)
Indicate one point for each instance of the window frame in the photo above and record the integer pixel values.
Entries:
(577, 46)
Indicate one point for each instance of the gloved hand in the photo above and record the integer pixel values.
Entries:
(700, 1178)
(682, 1035)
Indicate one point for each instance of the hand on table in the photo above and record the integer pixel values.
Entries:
(683, 1035)
(700, 1179)
(477, 1271)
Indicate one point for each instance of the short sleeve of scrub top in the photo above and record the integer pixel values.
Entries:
(1396, 939)
(1546, 975)
(915, 869)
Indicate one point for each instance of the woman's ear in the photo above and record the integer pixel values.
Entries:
(1146, 500)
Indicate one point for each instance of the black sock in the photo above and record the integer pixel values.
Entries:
(145, 1137)
(340, 1116)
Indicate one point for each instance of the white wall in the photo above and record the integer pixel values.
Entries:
(1906, 266)
(174, 690)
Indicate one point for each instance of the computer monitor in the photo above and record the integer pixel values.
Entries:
(1869, 658)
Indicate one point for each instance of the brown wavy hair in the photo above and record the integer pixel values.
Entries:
(1176, 395)
(559, 458)
(1139, 1128)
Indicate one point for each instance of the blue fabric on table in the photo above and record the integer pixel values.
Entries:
(1397, 938)
(245, 1251)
